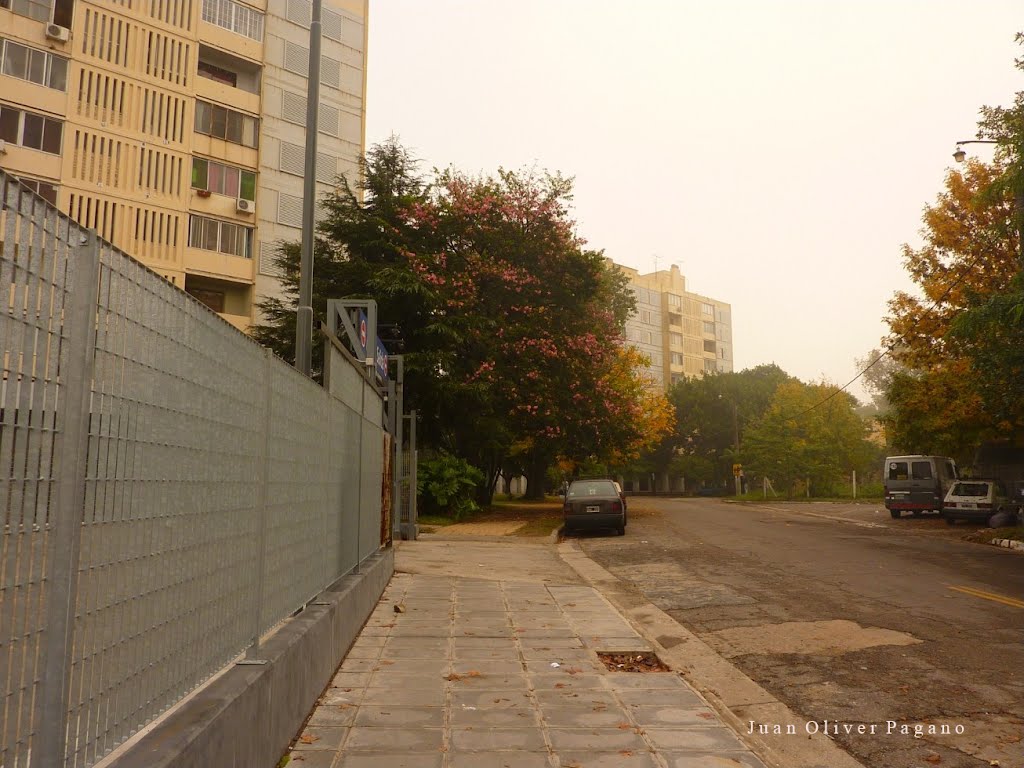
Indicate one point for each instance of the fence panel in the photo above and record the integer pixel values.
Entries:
(34, 242)
(198, 453)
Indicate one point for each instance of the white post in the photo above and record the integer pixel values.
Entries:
(855, 483)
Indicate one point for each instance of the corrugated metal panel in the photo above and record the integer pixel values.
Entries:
(293, 158)
(289, 210)
(293, 107)
(330, 72)
(299, 12)
(326, 167)
(330, 23)
(296, 58)
(328, 120)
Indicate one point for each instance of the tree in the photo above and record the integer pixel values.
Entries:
(506, 317)
(810, 431)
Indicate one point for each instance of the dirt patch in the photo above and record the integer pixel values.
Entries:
(632, 662)
(829, 638)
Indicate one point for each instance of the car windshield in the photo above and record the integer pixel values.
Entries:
(970, 489)
(592, 488)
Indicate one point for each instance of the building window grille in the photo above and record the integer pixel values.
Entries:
(220, 236)
(36, 66)
(44, 189)
(236, 17)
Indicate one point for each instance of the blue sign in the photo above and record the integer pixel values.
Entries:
(381, 360)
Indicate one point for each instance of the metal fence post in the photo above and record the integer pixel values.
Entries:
(413, 461)
(50, 743)
(252, 653)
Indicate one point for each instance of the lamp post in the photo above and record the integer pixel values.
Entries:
(1018, 194)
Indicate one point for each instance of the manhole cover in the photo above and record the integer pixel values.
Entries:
(632, 662)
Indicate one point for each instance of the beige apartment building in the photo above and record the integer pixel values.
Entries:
(175, 128)
(684, 334)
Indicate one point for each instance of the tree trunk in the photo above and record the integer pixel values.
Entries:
(536, 477)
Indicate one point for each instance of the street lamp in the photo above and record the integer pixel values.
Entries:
(1018, 196)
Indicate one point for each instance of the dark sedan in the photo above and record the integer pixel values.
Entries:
(594, 504)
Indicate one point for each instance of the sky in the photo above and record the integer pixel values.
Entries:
(780, 152)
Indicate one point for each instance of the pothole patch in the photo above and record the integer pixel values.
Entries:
(827, 638)
(632, 662)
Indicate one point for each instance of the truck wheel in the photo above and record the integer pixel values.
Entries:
(895, 514)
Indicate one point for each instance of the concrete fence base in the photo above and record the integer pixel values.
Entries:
(248, 716)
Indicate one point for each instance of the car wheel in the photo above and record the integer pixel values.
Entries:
(895, 513)
(916, 513)
(621, 530)
(950, 520)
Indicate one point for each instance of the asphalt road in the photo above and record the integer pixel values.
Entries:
(848, 616)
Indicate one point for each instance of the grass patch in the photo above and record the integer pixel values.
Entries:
(434, 520)
(540, 526)
(985, 535)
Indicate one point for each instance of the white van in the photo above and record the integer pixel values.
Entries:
(917, 483)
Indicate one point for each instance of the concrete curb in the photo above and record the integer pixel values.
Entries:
(735, 697)
(247, 717)
(1013, 544)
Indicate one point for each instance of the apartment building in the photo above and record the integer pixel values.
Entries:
(683, 333)
(175, 128)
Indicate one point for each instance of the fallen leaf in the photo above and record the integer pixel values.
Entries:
(561, 685)
(705, 715)
(308, 738)
(624, 726)
(386, 663)
(626, 752)
(933, 759)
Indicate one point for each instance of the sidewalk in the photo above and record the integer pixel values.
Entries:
(482, 653)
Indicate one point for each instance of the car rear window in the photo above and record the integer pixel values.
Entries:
(970, 489)
(593, 488)
(922, 470)
(898, 470)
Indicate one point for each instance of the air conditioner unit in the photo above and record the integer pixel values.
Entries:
(58, 33)
(245, 206)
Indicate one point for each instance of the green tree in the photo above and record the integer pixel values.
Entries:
(810, 431)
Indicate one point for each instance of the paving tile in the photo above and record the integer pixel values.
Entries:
(632, 680)
(386, 716)
(485, 653)
(424, 667)
(333, 715)
(564, 656)
(584, 667)
(682, 697)
(351, 679)
(498, 739)
(309, 759)
(563, 716)
(652, 717)
(499, 760)
(551, 642)
(399, 653)
(392, 759)
(405, 697)
(320, 737)
(711, 760)
(362, 739)
(462, 667)
(343, 697)
(625, 758)
(561, 682)
(698, 739)
(510, 717)
(579, 697)
(357, 665)
(405, 680)
(491, 699)
(608, 738)
(493, 682)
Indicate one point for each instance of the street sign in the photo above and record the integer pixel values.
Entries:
(737, 469)
(381, 361)
(362, 333)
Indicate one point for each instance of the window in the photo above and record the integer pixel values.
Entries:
(677, 358)
(223, 179)
(235, 17)
(675, 340)
(645, 316)
(707, 309)
(44, 189)
(33, 9)
(709, 346)
(219, 74)
(221, 236)
(28, 129)
(921, 470)
(675, 301)
(710, 366)
(223, 123)
(36, 66)
(898, 470)
(213, 299)
(709, 327)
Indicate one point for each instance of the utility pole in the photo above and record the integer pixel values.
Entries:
(304, 311)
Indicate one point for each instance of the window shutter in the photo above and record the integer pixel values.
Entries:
(296, 59)
(293, 107)
(293, 158)
(289, 210)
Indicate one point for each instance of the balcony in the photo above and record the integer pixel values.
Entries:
(228, 80)
(230, 300)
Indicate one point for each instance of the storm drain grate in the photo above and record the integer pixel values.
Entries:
(632, 661)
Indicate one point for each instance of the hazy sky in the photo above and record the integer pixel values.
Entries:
(779, 152)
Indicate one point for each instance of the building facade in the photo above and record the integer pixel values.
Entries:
(684, 334)
(175, 128)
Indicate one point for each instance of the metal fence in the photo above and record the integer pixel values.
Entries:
(168, 490)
